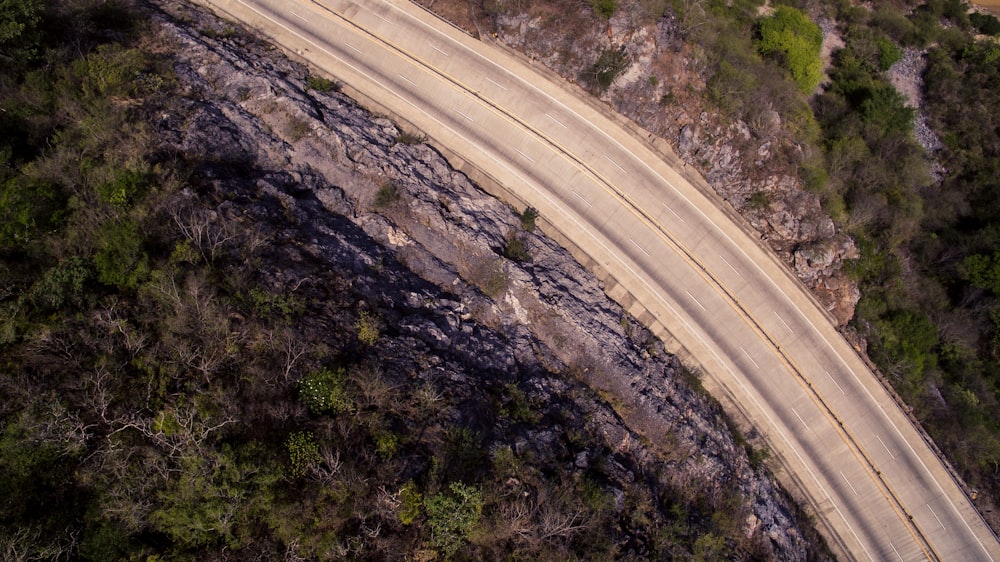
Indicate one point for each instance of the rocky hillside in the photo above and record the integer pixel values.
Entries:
(357, 195)
(244, 318)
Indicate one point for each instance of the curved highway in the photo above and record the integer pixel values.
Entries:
(723, 300)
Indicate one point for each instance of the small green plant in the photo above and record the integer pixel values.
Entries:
(321, 84)
(386, 195)
(759, 200)
(266, 304)
(518, 407)
(406, 137)
(757, 456)
(367, 327)
(126, 187)
(324, 391)
(488, 274)
(528, 218)
(385, 444)
(297, 128)
(516, 248)
(303, 452)
(609, 64)
(410, 503)
(605, 8)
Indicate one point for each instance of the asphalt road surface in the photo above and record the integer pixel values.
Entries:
(729, 306)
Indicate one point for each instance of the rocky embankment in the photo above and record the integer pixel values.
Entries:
(335, 188)
(751, 164)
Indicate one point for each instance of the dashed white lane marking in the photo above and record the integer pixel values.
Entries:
(584, 199)
(696, 301)
(557, 121)
(802, 421)
(783, 323)
(886, 448)
(736, 271)
(669, 208)
(497, 84)
(834, 381)
(529, 158)
(641, 249)
(617, 165)
(751, 359)
(849, 483)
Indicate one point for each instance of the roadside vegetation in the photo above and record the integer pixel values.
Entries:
(929, 267)
(925, 218)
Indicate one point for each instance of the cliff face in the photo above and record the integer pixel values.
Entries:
(339, 192)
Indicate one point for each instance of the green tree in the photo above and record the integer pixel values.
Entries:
(452, 516)
(120, 260)
(215, 493)
(18, 25)
(983, 271)
(794, 40)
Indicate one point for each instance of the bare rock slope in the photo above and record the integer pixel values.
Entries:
(336, 187)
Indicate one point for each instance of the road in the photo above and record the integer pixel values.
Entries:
(723, 301)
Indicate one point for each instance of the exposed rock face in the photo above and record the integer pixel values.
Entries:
(654, 92)
(312, 166)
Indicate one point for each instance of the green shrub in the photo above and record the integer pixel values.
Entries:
(385, 444)
(528, 218)
(609, 64)
(367, 327)
(62, 284)
(604, 8)
(266, 304)
(324, 391)
(759, 200)
(303, 453)
(982, 271)
(386, 195)
(410, 503)
(122, 191)
(19, 21)
(120, 260)
(409, 138)
(518, 407)
(321, 84)
(516, 248)
(28, 207)
(985, 23)
(453, 516)
(790, 37)
(113, 70)
(909, 337)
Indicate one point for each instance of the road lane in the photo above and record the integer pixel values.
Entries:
(753, 304)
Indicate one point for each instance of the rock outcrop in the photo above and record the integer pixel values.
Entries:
(335, 189)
